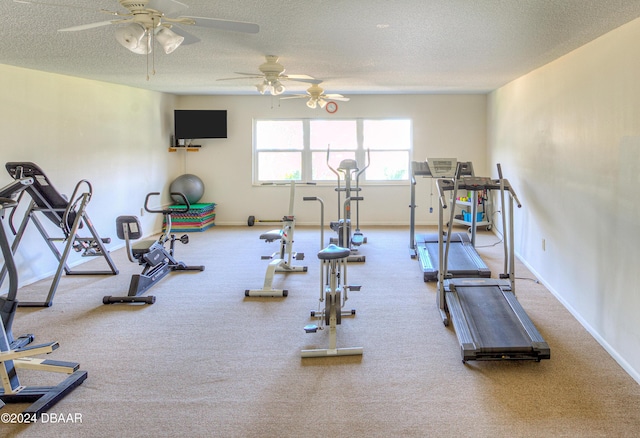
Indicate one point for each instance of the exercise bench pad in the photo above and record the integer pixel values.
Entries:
(42, 191)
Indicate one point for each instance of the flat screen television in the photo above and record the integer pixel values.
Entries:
(192, 124)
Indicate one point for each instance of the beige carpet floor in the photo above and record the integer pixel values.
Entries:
(204, 361)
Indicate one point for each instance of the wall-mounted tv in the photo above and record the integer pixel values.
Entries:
(192, 124)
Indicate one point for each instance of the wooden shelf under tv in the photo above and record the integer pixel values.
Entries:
(193, 148)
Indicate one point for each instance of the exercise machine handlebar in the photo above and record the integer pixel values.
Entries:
(251, 220)
(287, 183)
(186, 208)
(440, 183)
(316, 198)
(508, 187)
(365, 167)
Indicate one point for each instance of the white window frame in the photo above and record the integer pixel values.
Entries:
(306, 152)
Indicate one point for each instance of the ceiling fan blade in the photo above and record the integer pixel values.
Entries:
(236, 26)
(188, 38)
(92, 25)
(339, 98)
(296, 96)
(167, 7)
(59, 5)
(307, 79)
(245, 77)
(301, 77)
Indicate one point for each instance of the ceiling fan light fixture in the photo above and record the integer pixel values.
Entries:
(322, 103)
(311, 103)
(277, 89)
(132, 36)
(168, 39)
(262, 87)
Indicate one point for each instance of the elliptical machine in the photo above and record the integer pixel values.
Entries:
(346, 239)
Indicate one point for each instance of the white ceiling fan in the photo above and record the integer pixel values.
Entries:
(272, 75)
(146, 19)
(317, 96)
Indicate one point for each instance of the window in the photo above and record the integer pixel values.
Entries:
(298, 149)
(278, 150)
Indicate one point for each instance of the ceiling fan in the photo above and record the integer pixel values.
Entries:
(146, 21)
(272, 75)
(317, 96)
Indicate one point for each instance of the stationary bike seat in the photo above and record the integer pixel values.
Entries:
(142, 247)
(272, 235)
(333, 252)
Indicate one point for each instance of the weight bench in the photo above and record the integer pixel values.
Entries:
(67, 215)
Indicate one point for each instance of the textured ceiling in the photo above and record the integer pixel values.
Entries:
(356, 46)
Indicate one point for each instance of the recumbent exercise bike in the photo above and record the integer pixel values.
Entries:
(152, 254)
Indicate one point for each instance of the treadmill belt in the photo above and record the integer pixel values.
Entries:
(494, 326)
(459, 260)
(464, 260)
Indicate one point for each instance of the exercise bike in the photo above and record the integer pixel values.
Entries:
(281, 261)
(16, 354)
(346, 238)
(153, 255)
(333, 293)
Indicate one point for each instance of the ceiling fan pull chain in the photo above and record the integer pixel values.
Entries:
(147, 60)
(152, 41)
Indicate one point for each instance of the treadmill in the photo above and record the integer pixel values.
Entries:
(464, 260)
(488, 320)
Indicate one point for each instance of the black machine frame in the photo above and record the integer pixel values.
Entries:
(17, 354)
(152, 255)
(69, 216)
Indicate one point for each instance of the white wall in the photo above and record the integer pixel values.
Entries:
(443, 126)
(116, 137)
(568, 136)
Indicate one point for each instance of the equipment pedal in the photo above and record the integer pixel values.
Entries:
(310, 328)
(358, 239)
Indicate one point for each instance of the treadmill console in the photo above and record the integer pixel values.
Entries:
(442, 167)
(476, 183)
(420, 168)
